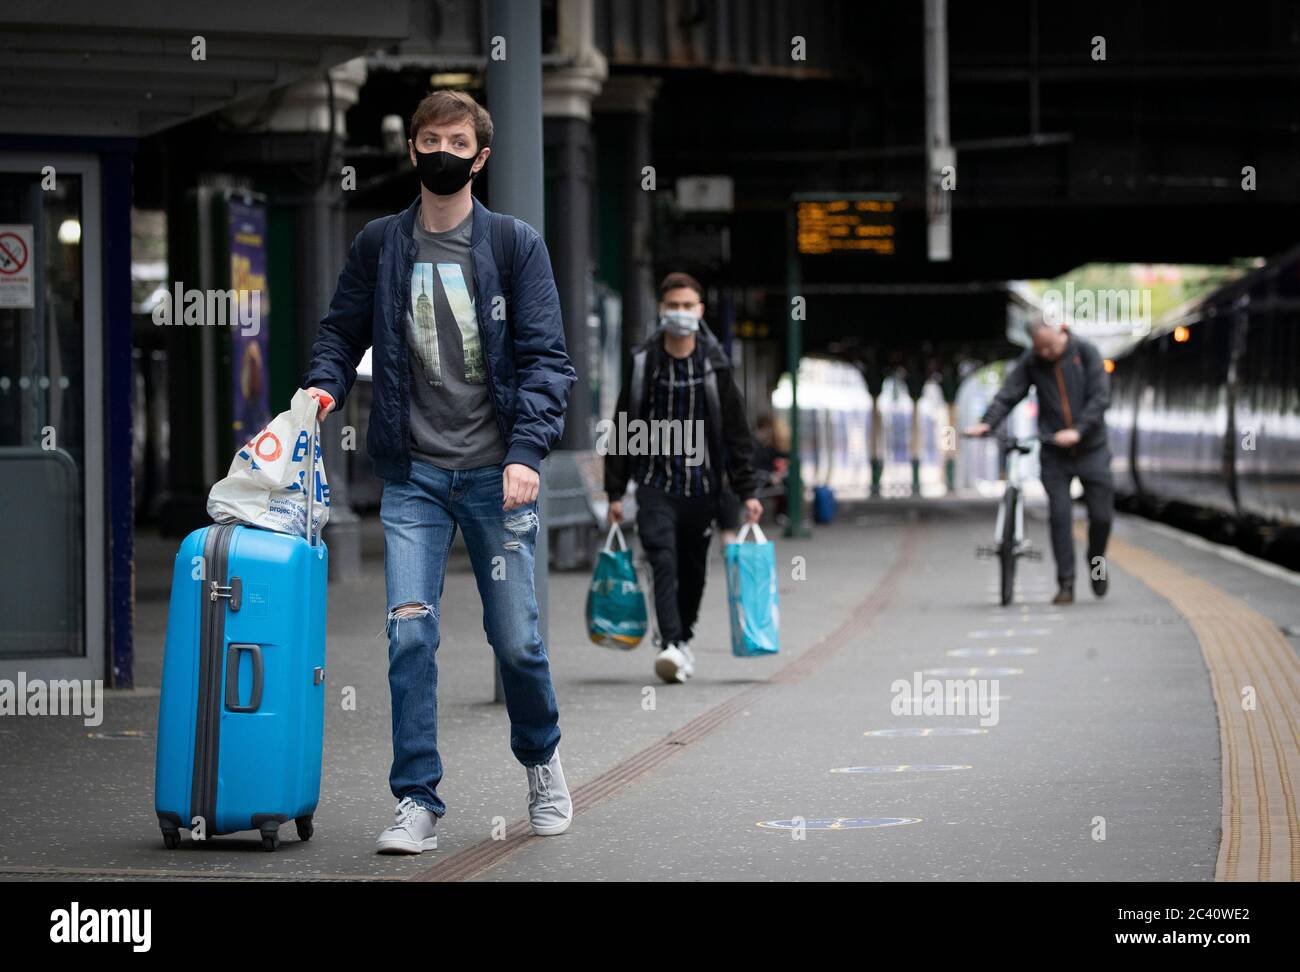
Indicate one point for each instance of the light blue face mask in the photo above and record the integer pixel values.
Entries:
(680, 323)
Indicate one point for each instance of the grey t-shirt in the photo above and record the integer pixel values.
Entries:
(453, 422)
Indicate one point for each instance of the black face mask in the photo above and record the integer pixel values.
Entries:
(443, 173)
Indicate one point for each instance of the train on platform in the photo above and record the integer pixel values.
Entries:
(1205, 414)
(838, 417)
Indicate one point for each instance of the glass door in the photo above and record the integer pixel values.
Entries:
(51, 463)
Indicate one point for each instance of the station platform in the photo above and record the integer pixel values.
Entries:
(1149, 735)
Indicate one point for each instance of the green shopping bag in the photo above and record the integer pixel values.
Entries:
(616, 615)
(751, 595)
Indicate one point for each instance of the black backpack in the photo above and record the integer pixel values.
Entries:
(502, 231)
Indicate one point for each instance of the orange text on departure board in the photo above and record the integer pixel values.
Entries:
(864, 225)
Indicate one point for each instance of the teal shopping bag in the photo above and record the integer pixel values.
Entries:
(751, 595)
(616, 615)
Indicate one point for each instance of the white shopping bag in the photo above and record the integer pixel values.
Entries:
(270, 476)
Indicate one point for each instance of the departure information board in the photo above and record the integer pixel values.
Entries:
(847, 224)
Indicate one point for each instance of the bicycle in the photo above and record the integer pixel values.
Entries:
(1009, 543)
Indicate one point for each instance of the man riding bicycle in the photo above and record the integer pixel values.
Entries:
(1073, 393)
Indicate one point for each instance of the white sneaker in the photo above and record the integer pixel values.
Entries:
(412, 831)
(550, 809)
(674, 664)
(685, 648)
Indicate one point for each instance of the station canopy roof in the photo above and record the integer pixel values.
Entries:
(130, 67)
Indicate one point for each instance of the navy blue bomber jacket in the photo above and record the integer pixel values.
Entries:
(528, 366)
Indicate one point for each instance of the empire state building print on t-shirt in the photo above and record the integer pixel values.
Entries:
(424, 327)
(446, 293)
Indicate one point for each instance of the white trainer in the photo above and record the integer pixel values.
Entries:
(673, 664)
(685, 648)
(412, 830)
(550, 809)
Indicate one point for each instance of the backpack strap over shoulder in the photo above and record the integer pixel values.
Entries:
(372, 235)
(636, 396)
(713, 401)
(504, 243)
(503, 234)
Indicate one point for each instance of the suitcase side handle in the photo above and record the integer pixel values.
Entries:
(232, 678)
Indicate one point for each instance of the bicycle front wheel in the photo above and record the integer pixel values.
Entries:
(1007, 545)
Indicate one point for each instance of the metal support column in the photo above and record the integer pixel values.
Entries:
(514, 93)
(793, 352)
(939, 151)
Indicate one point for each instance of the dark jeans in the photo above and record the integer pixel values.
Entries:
(1092, 467)
(675, 532)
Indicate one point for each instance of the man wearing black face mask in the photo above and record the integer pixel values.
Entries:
(471, 382)
(680, 375)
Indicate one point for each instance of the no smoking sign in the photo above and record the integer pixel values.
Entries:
(16, 278)
(13, 253)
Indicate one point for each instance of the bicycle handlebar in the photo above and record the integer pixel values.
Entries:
(1008, 443)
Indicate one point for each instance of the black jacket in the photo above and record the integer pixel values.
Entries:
(1087, 393)
(727, 434)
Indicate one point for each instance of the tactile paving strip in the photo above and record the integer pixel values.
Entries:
(1261, 746)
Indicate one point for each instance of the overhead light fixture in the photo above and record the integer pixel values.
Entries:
(70, 232)
(452, 79)
(392, 132)
(1182, 335)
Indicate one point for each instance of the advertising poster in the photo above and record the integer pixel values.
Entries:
(250, 399)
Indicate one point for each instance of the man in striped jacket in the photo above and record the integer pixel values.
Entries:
(689, 434)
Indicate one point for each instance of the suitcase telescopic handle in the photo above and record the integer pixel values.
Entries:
(311, 477)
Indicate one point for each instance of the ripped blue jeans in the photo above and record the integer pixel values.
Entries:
(420, 518)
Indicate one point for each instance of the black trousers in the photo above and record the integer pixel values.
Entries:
(1057, 468)
(728, 511)
(675, 533)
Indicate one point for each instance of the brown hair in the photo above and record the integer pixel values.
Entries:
(439, 107)
(678, 279)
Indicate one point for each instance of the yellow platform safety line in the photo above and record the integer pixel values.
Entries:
(1260, 746)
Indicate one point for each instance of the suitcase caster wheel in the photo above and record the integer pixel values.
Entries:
(171, 839)
(270, 843)
(305, 828)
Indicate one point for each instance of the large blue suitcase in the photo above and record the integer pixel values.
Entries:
(242, 715)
